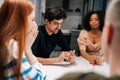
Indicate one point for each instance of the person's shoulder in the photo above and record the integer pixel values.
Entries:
(84, 34)
(12, 48)
(40, 27)
(115, 78)
(83, 76)
(84, 31)
(13, 42)
(59, 33)
(92, 76)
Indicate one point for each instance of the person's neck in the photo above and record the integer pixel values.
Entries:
(95, 31)
(48, 30)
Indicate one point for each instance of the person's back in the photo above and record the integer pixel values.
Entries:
(81, 76)
(16, 59)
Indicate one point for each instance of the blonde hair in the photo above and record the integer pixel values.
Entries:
(14, 25)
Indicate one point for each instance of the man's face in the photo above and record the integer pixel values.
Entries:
(54, 25)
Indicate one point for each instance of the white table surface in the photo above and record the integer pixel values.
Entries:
(57, 70)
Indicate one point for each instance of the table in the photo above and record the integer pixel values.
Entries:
(57, 70)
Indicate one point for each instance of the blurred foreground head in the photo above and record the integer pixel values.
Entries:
(111, 37)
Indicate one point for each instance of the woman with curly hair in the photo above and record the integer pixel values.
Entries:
(89, 40)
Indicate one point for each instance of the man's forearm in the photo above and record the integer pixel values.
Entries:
(47, 60)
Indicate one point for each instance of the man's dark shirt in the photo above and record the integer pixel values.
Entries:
(44, 44)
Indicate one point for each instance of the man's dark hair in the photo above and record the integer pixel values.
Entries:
(55, 12)
(86, 20)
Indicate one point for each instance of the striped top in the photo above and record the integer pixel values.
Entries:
(28, 71)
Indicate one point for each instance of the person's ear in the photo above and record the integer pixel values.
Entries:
(110, 34)
(46, 20)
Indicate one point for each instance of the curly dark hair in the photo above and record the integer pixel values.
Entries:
(86, 20)
(55, 12)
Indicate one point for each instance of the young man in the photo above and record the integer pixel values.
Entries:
(110, 45)
(49, 36)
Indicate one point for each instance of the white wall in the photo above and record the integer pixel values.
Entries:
(76, 4)
(72, 21)
(38, 10)
(54, 3)
(73, 18)
(1, 1)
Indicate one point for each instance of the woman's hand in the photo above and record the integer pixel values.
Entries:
(92, 59)
(99, 60)
(29, 41)
(32, 34)
(72, 56)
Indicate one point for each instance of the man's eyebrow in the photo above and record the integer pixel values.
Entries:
(57, 22)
